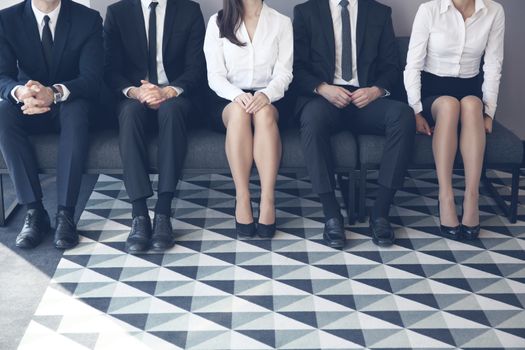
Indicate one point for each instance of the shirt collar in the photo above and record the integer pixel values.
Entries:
(53, 15)
(335, 3)
(446, 4)
(145, 3)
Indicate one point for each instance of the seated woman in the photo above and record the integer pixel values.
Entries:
(249, 54)
(443, 82)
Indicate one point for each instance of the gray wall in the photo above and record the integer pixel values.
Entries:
(512, 91)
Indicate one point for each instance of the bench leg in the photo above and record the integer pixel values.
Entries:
(5, 213)
(350, 208)
(514, 196)
(362, 192)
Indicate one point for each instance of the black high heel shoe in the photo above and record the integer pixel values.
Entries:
(245, 230)
(469, 233)
(447, 231)
(266, 231)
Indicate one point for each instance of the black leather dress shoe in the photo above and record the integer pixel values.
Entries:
(245, 230)
(382, 232)
(470, 233)
(139, 239)
(334, 233)
(66, 235)
(162, 238)
(36, 226)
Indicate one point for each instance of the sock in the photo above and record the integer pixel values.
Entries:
(36, 206)
(69, 210)
(163, 206)
(139, 208)
(331, 208)
(384, 199)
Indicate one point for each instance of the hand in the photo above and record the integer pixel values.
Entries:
(364, 96)
(422, 126)
(152, 95)
(244, 99)
(169, 92)
(40, 99)
(336, 95)
(257, 103)
(488, 124)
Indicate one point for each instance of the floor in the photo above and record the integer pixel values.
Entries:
(213, 291)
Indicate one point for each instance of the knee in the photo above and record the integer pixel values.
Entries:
(130, 111)
(313, 124)
(446, 105)
(266, 117)
(8, 115)
(74, 116)
(402, 119)
(471, 105)
(172, 110)
(237, 116)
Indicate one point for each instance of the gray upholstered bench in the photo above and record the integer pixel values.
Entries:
(205, 155)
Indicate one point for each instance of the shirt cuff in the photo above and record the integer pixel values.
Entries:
(13, 93)
(65, 92)
(490, 111)
(418, 108)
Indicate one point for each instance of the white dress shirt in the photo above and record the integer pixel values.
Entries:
(444, 44)
(264, 64)
(53, 18)
(335, 9)
(161, 17)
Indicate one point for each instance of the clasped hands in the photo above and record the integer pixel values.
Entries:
(252, 103)
(342, 98)
(35, 97)
(152, 95)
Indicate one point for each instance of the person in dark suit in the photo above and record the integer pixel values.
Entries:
(155, 63)
(346, 63)
(51, 66)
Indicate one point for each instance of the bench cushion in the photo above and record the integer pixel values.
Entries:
(503, 148)
(205, 151)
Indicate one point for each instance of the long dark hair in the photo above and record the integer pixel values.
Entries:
(229, 20)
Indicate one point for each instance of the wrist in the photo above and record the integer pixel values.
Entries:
(169, 92)
(319, 89)
(379, 91)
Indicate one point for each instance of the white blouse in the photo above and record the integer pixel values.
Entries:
(443, 44)
(264, 64)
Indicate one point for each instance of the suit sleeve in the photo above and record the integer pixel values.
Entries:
(8, 67)
(304, 80)
(114, 55)
(195, 64)
(388, 70)
(90, 66)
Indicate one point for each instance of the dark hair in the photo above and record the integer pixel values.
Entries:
(229, 20)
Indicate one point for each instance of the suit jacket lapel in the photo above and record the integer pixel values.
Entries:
(140, 26)
(168, 23)
(362, 17)
(61, 35)
(33, 34)
(327, 27)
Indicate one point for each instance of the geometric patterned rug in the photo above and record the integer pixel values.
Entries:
(214, 291)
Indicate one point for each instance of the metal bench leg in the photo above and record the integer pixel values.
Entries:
(5, 213)
(350, 208)
(362, 192)
(514, 197)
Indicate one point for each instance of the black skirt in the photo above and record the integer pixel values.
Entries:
(217, 105)
(433, 87)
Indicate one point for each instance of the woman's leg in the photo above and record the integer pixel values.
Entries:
(267, 155)
(472, 145)
(239, 150)
(446, 112)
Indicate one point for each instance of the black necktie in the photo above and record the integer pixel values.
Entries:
(47, 42)
(152, 47)
(346, 61)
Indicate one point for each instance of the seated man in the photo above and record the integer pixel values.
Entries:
(51, 65)
(155, 63)
(346, 62)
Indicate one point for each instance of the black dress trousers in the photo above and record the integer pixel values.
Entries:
(319, 120)
(71, 120)
(137, 126)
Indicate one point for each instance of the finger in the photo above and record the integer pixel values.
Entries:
(33, 111)
(144, 82)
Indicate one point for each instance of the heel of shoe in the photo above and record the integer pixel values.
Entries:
(447, 231)
(469, 233)
(245, 230)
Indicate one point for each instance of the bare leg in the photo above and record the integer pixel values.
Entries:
(472, 145)
(446, 111)
(267, 155)
(239, 150)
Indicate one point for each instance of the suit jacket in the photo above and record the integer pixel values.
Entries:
(77, 60)
(314, 61)
(126, 46)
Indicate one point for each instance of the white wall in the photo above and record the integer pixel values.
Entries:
(512, 94)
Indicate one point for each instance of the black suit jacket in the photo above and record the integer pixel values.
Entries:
(77, 51)
(126, 46)
(314, 61)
